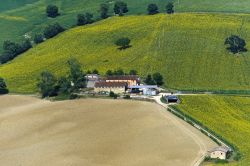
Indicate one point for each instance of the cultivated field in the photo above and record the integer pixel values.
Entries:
(94, 133)
(228, 116)
(188, 49)
(28, 16)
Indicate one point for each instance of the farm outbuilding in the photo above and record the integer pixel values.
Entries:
(91, 80)
(220, 152)
(129, 79)
(148, 90)
(116, 87)
(172, 99)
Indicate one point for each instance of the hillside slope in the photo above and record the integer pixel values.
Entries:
(188, 49)
(19, 17)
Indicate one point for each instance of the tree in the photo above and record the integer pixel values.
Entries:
(47, 84)
(158, 78)
(81, 19)
(26, 45)
(52, 11)
(3, 87)
(120, 8)
(76, 74)
(109, 73)
(152, 9)
(104, 9)
(53, 30)
(95, 71)
(170, 8)
(119, 72)
(235, 44)
(149, 80)
(89, 18)
(12, 49)
(64, 85)
(38, 38)
(132, 72)
(123, 43)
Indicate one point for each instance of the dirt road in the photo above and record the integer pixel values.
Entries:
(94, 132)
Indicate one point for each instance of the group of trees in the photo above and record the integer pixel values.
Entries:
(12, 49)
(156, 79)
(50, 86)
(3, 87)
(53, 30)
(83, 19)
(153, 8)
(120, 72)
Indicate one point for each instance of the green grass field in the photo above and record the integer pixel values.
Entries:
(228, 116)
(18, 17)
(188, 49)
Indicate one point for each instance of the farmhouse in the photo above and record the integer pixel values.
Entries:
(116, 87)
(91, 80)
(129, 79)
(220, 152)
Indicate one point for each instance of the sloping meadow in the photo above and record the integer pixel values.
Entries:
(188, 49)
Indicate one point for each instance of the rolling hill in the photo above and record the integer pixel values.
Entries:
(19, 17)
(188, 49)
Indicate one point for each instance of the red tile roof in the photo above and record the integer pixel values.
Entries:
(123, 77)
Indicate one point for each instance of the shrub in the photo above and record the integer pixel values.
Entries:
(127, 97)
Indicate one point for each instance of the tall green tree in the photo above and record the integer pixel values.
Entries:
(120, 8)
(152, 9)
(170, 8)
(109, 73)
(47, 84)
(235, 44)
(64, 85)
(3, 87)
(104, 9)
(77, 76)
(158, 79)
(149, 80)
(52, 11)
(89, 18)
(81, 19)
(123, 43)
(132, 72)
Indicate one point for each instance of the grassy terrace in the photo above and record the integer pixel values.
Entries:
(188, 49)
(228, 116)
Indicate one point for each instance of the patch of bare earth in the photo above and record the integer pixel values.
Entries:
(94, 132)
